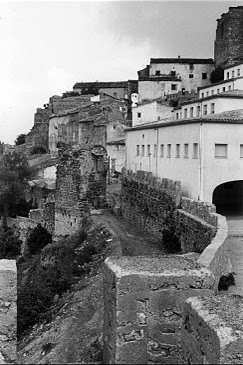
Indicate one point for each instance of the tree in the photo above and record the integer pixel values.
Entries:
(217, 75)
(38, 238)
(20, 139)
(14, 175)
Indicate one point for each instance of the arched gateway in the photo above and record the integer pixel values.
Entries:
(228, 198)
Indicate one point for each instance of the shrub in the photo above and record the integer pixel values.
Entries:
(38, 238)
(217, 75)
(38, 150)
(10, 247)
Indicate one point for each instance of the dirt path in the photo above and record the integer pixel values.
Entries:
(133, 242)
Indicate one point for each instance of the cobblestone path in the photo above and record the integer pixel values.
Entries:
(235, 225)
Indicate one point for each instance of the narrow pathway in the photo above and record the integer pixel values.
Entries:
(133, 241)
(235, 225)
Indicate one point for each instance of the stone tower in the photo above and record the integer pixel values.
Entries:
(228, 47)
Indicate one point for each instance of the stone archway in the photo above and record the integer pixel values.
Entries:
(228, 198)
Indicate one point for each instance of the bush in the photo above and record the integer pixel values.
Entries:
(170, 241)
(217, 75)
(38, 150)
(38, 238)
(10, 247)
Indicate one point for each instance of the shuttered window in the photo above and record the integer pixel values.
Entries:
(221, 150)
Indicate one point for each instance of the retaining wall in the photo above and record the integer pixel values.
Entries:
(8, 311)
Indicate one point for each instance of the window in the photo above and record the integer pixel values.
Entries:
(238, 72)
(158, 119)
(195, 150)
(173, 86)
(138, 147)
(204, 75)
(229, 88)
(186, 148)
(155, 150)
(139, 115)
(205, 109)
(178, 150)
(223, 89)
(191, 111)
(212, 92)
(157, 73)
(185, 113)
(207, 93)
(241, 151)
(202, 95)
(142, 151)
(217, 91)
(148, 150)
(233, 73)
(212, 107)
(115, 94)
(190, 76)
(183, 90)
(177, 115)
(198, 111)
(227, 75)
(161, 150)
(169, 150)
(173, 73)
(221, 150)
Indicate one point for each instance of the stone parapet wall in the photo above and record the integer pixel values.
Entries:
(144, 298)
(148, 201)
(212, 330)
(200, 209)
(215, 256)
(8, 312)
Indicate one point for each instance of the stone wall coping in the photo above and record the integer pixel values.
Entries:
(8, 265)
(211, 250)
(153, 266)
(221, 315)
(197, 218)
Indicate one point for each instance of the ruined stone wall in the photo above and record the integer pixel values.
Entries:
(149, 202)
(228, 49)
(144, 298)
(39, 134)
(8, 312)
(212, 330)
(195, 225)
(80, 184)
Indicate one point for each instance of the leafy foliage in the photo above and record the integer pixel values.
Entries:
(14, 175)
(217, 75)
(20, 139)
(38, 150)
(10, 244)
(38, 238)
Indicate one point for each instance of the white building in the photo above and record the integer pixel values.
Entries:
(152, 110)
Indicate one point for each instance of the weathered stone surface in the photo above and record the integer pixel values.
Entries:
(144, 299)
(212, 330)
(8, 311)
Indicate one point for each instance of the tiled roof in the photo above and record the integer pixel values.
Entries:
(117, 142)
(230, 117)
(220, 82)
(159, 78)
(234, 65)
(182, 60)
(99, 85)
(160, 100)
(225, 94)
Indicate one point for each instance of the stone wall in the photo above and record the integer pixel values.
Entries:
(212, 330)
(149, 202)
(80, 185)
(39, 134)
(144, 299)
(228, 49)
(8, 312)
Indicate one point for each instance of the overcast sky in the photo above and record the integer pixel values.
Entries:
(47, 46)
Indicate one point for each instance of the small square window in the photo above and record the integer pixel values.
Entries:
(178, 150)
(157, 73)
(173, 73)
(195, 150)
(142, 150)
(241, 151)
(173, 86)
(204, 75)
(186, 148)
(148, 150)
(221, 150)
(139, 115)
(138, 148)
(168, 150)
(191, 76)
(161, 150)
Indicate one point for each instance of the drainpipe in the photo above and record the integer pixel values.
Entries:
(157, 152)
(200, 184)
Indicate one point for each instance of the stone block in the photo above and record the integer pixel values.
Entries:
(212, 330)
(143, 305)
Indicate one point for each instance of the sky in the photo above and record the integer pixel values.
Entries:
(48, 46)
